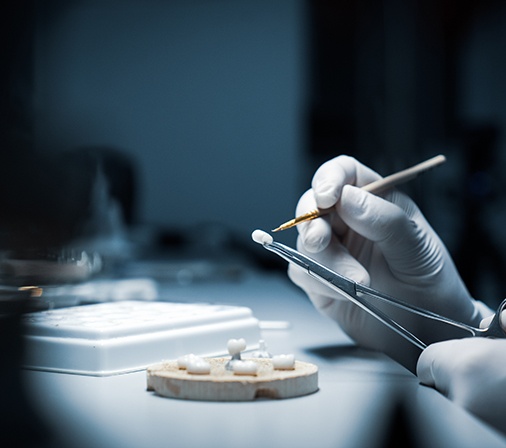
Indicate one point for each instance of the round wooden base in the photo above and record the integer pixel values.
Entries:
(167, 380)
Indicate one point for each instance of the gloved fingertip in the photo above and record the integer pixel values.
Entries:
(484, 323)
(325, 200)
(361, 277)
(314, 240)
(424, 368)
(325, 195)
(349, 267)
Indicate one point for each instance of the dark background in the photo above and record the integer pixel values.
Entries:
(215, 114)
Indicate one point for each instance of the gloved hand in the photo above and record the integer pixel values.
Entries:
(472, 373)
(386, 243)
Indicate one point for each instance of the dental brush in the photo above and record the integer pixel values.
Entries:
(375, 187)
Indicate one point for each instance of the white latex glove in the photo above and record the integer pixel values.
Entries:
(384, 243)
(472, 373)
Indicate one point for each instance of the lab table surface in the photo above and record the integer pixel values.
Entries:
(364, 398)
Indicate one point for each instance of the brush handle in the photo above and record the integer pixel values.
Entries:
(403, 176)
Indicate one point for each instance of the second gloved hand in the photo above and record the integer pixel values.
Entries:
(472, 373)
(385, 243)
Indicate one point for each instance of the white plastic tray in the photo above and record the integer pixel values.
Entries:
(119, 337)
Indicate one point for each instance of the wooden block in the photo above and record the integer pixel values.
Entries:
(167, 380)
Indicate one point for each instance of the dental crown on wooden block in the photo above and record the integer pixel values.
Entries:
(233, 379)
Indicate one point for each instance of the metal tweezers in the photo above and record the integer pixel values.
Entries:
(357, 292)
